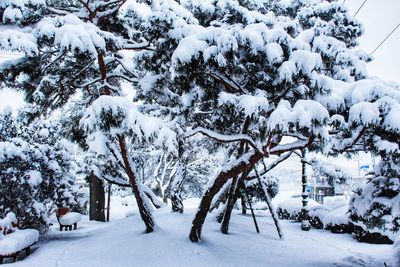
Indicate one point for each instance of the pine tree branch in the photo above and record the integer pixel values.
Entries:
(225, 138)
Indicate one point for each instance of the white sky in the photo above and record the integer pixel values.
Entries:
(379, 17)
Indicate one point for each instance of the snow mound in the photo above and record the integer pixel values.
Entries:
(8, 221)
(396, 246)
(290, 209)
(338, 220)
(70, 218)
(17, 241)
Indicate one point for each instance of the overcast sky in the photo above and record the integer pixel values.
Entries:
(379, 17)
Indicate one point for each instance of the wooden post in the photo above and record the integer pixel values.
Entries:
(269, 204)
(251, 208)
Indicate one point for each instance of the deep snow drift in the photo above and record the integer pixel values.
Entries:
(122, 242)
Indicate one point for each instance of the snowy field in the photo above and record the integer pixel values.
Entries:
(122, 242)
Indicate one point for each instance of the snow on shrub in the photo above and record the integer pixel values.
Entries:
(317, 214)
(290, 209)
(338, 220)
(35, 174)
(375, 208)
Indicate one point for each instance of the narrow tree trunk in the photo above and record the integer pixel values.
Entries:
(97, 199)
(108, 201)
(305, 224)
(221, 212)
(221, 197)
(176, 199)
(197, 225)
(229, 205)
(243, 202)
(144, 211)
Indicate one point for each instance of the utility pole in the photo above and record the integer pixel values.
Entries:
(305, 224)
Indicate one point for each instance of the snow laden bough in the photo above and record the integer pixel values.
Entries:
(114, 126)
(249, 79)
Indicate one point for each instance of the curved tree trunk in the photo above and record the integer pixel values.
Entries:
(144, 211)
(97, 199)
(176, 188)
(197, 225)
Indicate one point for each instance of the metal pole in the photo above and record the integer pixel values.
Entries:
(108, 201)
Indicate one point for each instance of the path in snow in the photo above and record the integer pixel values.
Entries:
(123, 243)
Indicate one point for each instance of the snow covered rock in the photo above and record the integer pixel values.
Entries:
(290, 209)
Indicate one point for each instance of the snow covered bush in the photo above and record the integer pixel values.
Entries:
(317, 214)
(290, 209)
(255, 191)
(375, 208)
(337, 220)
(35, 175)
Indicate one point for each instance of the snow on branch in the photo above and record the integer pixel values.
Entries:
(110, 116)
(299, 144)
(225, 138)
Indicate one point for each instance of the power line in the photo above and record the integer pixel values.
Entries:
(358, 10)
(387, 37)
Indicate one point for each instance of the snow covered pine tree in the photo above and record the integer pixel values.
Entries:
(69, 47)
(253, 72)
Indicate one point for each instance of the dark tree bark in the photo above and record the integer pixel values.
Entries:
(175, 195)
(243, 202)
(97, 199)
(232, 198)
(229, 205)
(145, 213)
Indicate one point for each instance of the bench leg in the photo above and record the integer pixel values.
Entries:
(28, 251)
(75, 226)
(1, 259)
(70, 227)
(61, 228)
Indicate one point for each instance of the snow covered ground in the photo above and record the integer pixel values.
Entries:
(122, 242)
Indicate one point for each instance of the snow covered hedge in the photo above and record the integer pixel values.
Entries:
(337, 220)
(290, 209)
(375, 208)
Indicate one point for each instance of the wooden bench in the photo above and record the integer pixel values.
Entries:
(13, 240)
(67, 219)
